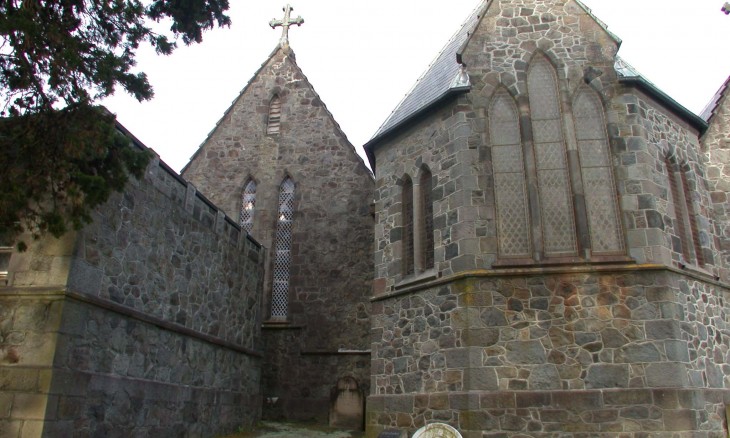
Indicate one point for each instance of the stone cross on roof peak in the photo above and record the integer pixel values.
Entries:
(285, 23)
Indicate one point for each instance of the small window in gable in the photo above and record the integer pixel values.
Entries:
(274, 121)
(248, 204)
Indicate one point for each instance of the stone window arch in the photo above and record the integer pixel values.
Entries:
(596, 171)
(508, 167)
(553, 181)
(282, 250)
(686, 228)
(407, 262)
(248, 205)
(274, 119)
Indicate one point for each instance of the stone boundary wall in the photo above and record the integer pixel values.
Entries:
(147, 321)
(560, 340)
(169, 253)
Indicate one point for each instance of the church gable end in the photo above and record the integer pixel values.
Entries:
(560, 235)
(311, 211)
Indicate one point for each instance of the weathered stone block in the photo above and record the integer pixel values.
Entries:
(666, 375)
(607, 376)
(481, 379)
(525, 352)
(544, 377)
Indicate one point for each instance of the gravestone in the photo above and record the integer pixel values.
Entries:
(437, 430)
(347, 404)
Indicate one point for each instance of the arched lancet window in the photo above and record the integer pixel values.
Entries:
(554, 192)
(513, 223)
(598, 182)
(407, 218)
(425, 185)
(282, 248)
(685, 228)
(274, 121)
(248, 204)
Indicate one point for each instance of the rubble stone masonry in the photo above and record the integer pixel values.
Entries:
(145, 322)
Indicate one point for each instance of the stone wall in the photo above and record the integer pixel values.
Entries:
(716, 147)
(632, 343)
(331, 238)
(638, 349)
(145, 322)
(647, 133)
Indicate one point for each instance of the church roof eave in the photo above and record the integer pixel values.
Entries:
(600, 22)
(374, 142)
(708, 112)
(628, 75)
(437, 80)
(230, 107)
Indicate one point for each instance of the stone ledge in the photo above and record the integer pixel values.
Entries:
(167, 325)
(551, 270)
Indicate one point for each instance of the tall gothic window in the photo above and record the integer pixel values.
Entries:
(554, 192)
(282, 248)
(509, 178)
(274, 120)
(595, 164)
(248, 204)
(685, 228)
(407, 218)
(426, 219)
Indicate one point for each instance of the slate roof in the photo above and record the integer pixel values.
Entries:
(440, 78)
(629, 75)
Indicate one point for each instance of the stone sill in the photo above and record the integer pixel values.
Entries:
(421, 277)
(280, 324)
(531, 270)
(339, 352)
(560, 261)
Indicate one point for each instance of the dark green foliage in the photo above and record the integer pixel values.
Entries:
(61, 156)
(61, 164)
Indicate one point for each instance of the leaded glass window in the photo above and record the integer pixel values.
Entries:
(282, 249)
(248, 204)
(598, 183)
(554, 192)
(509, 178)
(407, 203)
(426, 238)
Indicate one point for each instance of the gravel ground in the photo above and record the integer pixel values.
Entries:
(270, 429)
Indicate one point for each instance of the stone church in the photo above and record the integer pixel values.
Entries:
(542, 251)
